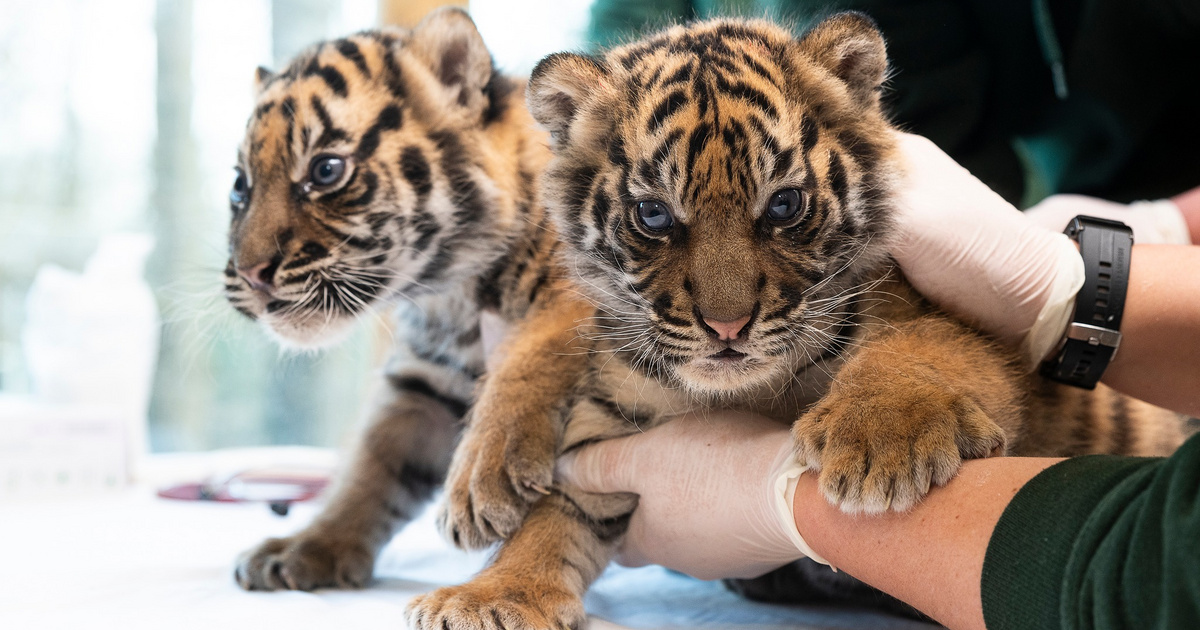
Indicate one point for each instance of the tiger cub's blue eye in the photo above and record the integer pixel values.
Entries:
(784, 205)
(326, 170)
(240, 190)
(655, 215)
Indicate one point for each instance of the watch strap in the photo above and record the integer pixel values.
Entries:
(1093, 336)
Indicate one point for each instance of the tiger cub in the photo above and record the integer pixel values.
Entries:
(723, 191)
(390, 167)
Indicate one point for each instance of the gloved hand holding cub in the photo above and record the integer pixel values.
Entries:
(1012, 274)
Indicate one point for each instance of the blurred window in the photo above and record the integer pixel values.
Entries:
(125, 116)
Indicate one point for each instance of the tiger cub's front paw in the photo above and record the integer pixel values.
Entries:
(494, 479)
(881, 446)
(304, 562)
(497, 604)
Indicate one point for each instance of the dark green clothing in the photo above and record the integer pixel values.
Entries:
(1100, 542)
(975, 77)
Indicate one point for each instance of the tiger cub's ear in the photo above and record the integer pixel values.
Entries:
(448, 43)
(560, 86)
(262, 76)
(850, 46)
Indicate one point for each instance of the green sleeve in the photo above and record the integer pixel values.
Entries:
(1099, 542)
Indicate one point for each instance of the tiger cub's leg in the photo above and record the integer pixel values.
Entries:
(505, 461)
(400, 460)
(905, 410)
(539, 575)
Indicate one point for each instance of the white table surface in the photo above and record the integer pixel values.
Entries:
(130, 560)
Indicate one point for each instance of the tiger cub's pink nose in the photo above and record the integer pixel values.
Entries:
(259, 277)
(727, 331)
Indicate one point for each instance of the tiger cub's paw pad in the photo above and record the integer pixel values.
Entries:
(492, 606)
(878, 452)
(491, 487)
(303, 563)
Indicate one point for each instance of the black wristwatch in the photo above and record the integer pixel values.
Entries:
(1094, 333)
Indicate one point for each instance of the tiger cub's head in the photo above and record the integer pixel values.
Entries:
(721, 187)
(358, 177)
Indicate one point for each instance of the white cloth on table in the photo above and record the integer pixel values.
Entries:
(132, 561)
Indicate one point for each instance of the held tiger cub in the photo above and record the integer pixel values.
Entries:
(391, 166)
(723, 192)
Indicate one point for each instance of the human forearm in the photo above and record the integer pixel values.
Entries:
(1032, 543)
(1158, 360)
(932, 556)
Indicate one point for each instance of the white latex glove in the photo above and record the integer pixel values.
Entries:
(972, 253)
(1153, 222)
(716, 494)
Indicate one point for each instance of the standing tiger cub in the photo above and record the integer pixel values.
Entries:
(391, 164)
(723, 191)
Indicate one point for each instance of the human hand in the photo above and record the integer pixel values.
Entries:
(715, 493)
(974, 254)
(1152, 222)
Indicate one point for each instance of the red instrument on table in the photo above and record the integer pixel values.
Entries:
(278, 487)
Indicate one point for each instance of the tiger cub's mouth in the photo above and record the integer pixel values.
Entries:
(728, 370)
(728, 355)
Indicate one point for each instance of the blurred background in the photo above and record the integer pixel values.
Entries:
(125, 117)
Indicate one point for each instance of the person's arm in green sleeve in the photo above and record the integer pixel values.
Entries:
(1097, 542)
(1100, 542)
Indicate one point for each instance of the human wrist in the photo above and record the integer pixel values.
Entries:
(809, 514)
(782, 486)
(1160, 329)
(1093, 335)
